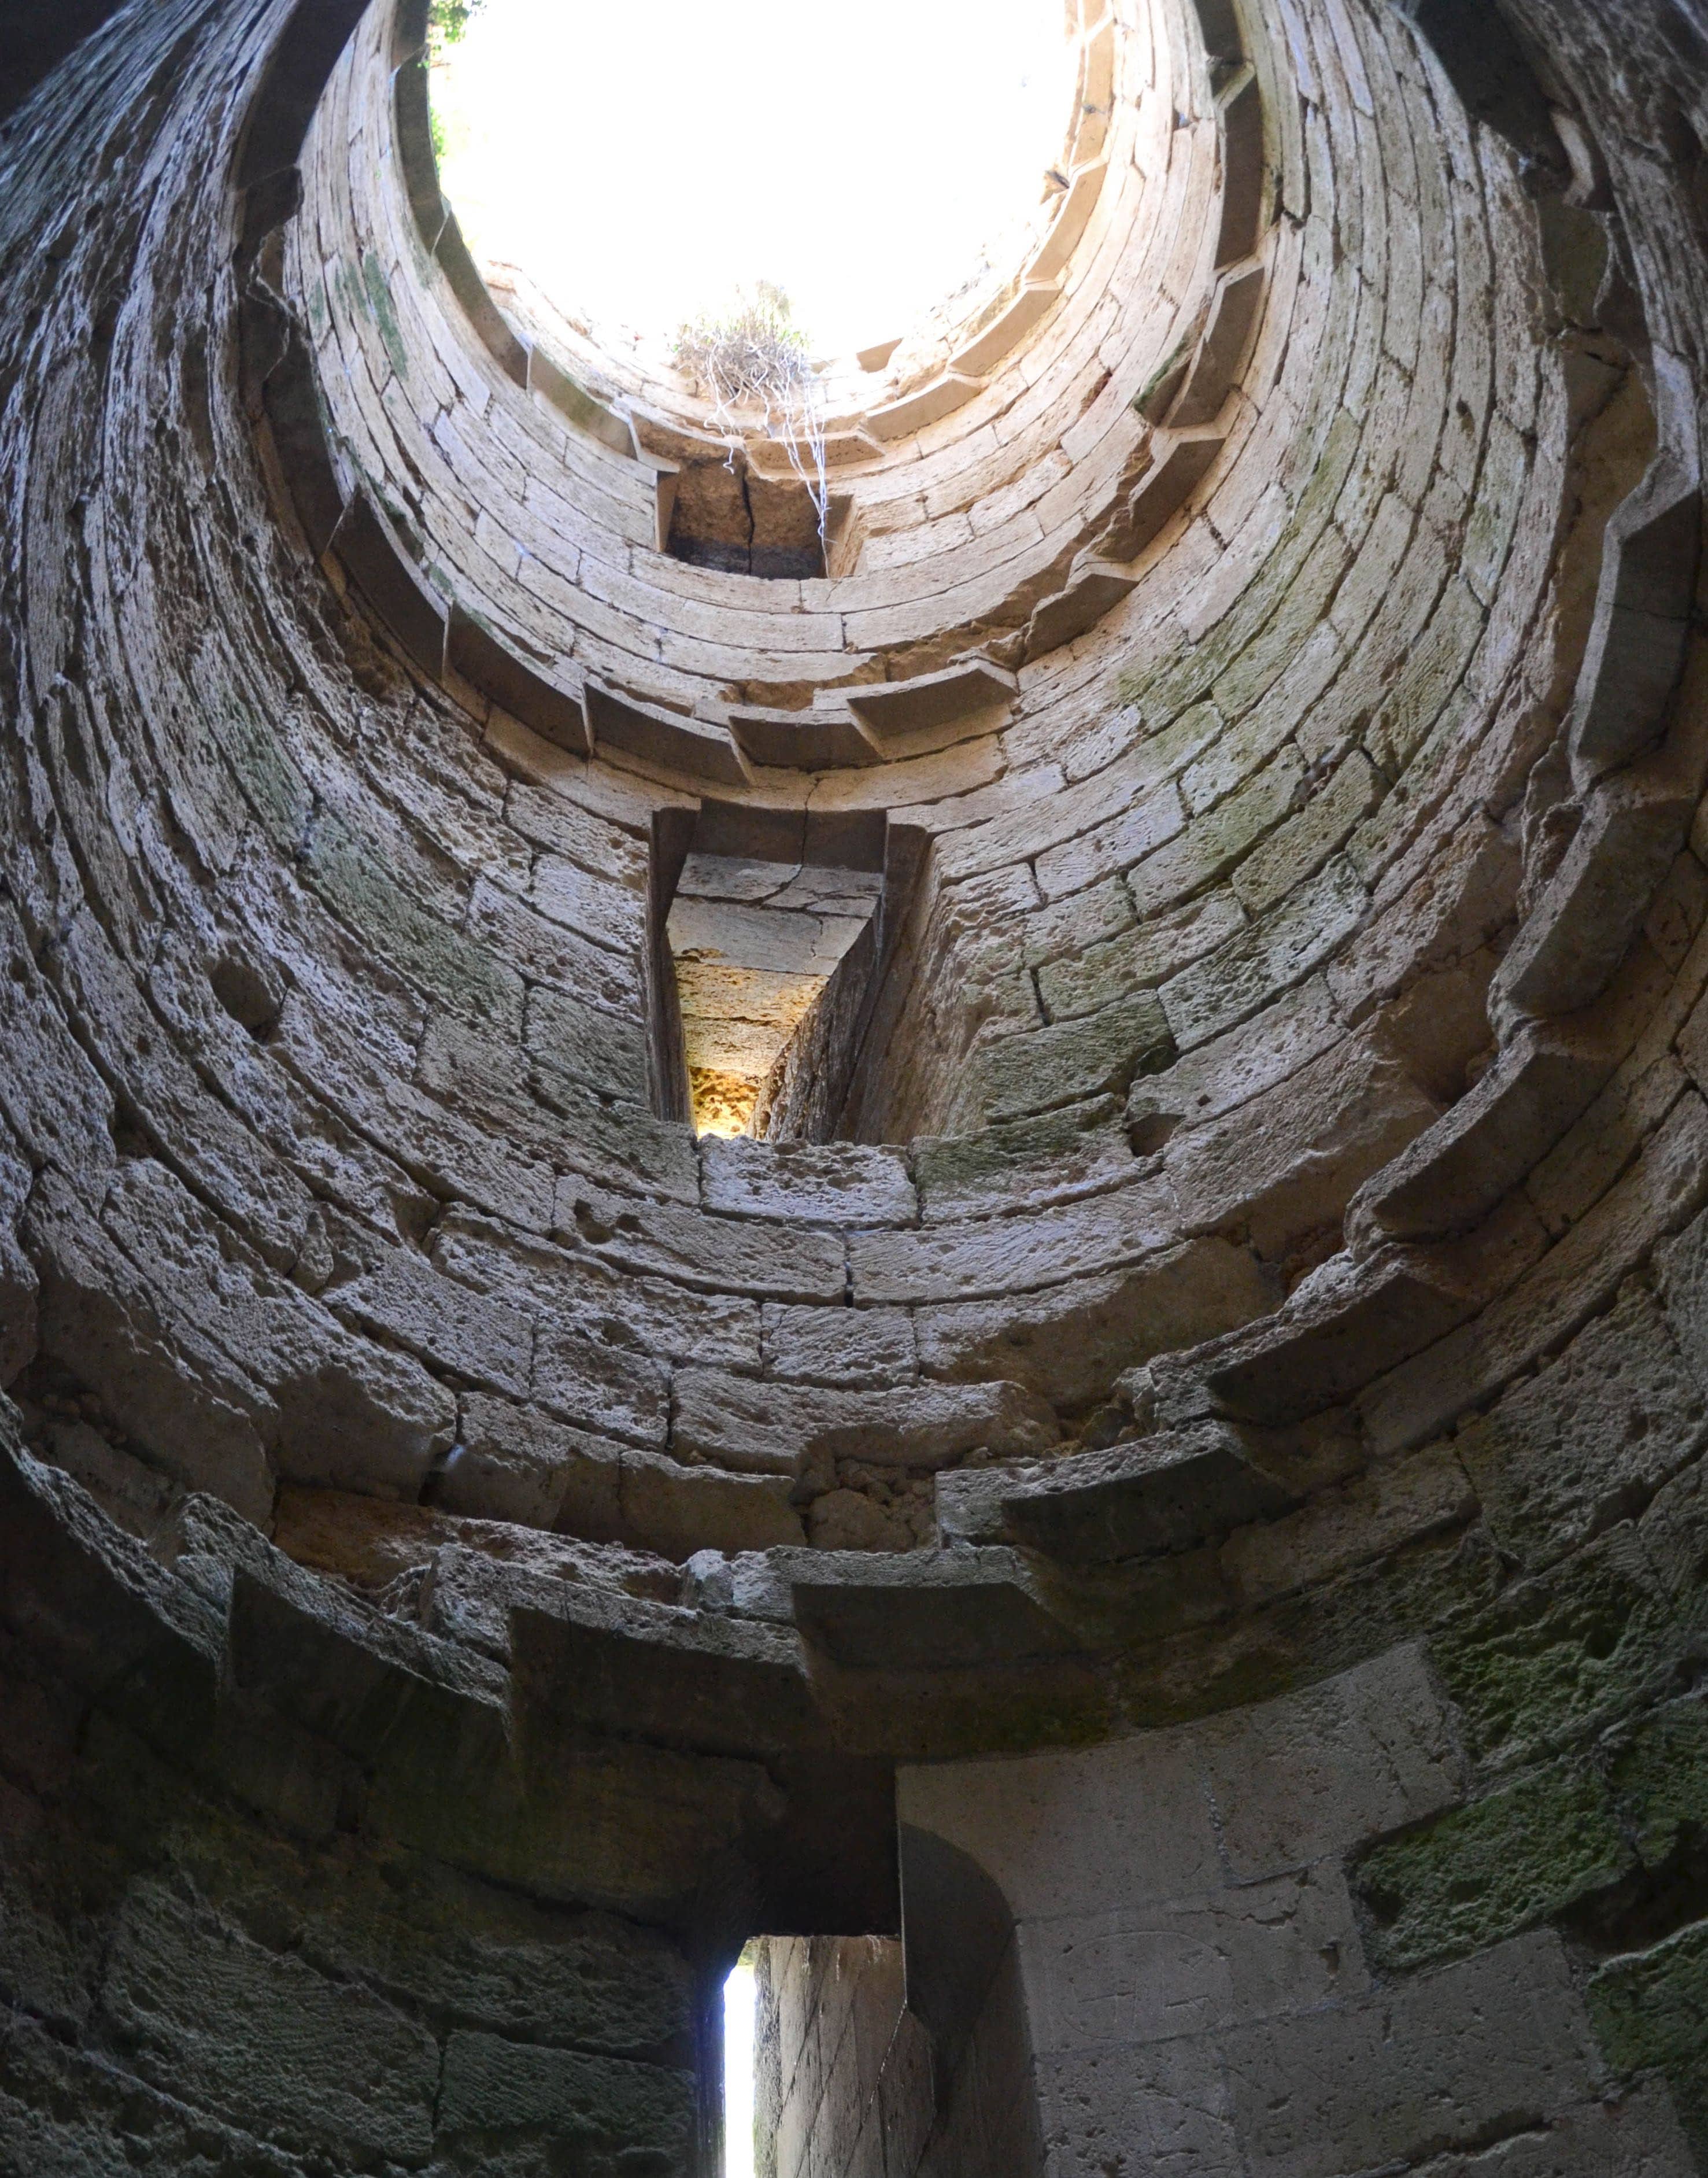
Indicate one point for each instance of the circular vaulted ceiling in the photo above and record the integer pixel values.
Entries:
(1191, 619)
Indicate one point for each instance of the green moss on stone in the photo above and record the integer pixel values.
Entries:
(1072, 1062)
(1588, 1642)
(271, 785)
(348, 873)
(955, 1163)
(1650, 2012)
(1483, 1873)
(378, 288)
(1659, 1781)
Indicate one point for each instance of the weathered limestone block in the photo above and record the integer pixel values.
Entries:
(769, 1260)
(328, 1407)
(1256, 965)
(1647, 2008)
(842, 1520)
(454, 1948)
(56, 1103)
(677, 1510)
(1344, 1325)
(260, 2039)
(1465, 894)
(97, 1606)
(839, 1346)
(651, 1315)
(468, 1595)
(1573, 939)
(1436, 2066)
(411, 920)
(1658, 1195)
(1218, 840)
(162, 1379)
(232, 1166)
(429, 1130)
(1080, 981)
(1540, 1083)
(494, 2088)
(514, 1462)
(1070, 1342)
(678, 1678)
(1285, 1164)
(410, 1304)
(1641, 2135)
(1681, 1265)
(1066, 1063)
(139, 1497)
(1201, 1085)
(1189, 1967)
(598, 1383)
(1303, 843)
(1021, 1163)
(62, 2111)
(613, 916)
(1001, 1255)
(1489, 1870)
(359, 1415)
(603, 1051)
(1154, 2101)
(1636, 646)
(591, 1364)
(932, 1610)
(536, 950)
(1164, 1493)
(1589, 1437)
(840, 1183)
(426, 1716)
(566, 826)
(1674, 1531)
(369, 1544)
(19, 1284)
(1399, 1502)
(1375, 578)
(1564, 1652)
(777, 1428)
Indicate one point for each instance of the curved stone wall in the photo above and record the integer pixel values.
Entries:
(1259, 1262)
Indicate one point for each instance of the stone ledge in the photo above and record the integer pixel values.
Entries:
(1160, 1494)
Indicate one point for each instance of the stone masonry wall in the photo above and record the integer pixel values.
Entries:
(1205, 1995)
(1217, 1449)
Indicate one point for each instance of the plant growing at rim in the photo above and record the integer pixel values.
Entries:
(756, 355)
(446, 22)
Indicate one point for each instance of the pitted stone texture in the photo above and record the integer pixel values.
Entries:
(263, 2042)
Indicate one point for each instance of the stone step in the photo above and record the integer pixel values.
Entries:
(1160, 1494)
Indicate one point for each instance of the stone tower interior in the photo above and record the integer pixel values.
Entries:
(961, 1241)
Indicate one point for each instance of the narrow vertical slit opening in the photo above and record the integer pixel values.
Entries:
(740, 2067)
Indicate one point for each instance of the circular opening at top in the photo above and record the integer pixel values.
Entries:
(646, 166)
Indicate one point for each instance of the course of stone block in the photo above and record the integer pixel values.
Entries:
(990, 1267)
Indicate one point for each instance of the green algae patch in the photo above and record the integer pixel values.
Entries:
(1485, 1872)
(1649, 2012)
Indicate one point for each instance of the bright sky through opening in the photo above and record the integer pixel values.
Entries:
(643, 161)
(740, 2006)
